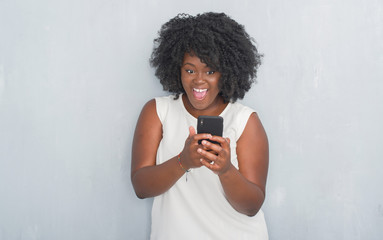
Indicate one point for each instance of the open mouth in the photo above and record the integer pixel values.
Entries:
(199, 94)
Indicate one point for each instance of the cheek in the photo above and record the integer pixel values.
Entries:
(182, 78)
(216, 83)
(184, 81)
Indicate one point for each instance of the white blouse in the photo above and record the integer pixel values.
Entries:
(197, 209)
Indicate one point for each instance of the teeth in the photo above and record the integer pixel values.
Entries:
(199, 90)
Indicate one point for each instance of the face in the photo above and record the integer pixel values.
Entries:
(201, 86)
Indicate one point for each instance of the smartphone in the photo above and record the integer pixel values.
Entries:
(210, 124)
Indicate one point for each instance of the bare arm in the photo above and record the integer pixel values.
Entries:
(149, 179)
(244, 188)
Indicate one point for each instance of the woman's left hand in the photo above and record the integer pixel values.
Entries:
(214, 156)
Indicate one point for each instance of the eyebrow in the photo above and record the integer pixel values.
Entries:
(189, 64)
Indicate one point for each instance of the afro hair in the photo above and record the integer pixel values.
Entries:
(219, 41)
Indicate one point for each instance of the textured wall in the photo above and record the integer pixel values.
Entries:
(75, 74)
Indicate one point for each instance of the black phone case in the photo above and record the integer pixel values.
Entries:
(210, 124)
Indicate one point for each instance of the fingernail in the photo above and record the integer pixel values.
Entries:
(199, 150)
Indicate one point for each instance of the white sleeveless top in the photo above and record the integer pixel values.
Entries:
(197, 209)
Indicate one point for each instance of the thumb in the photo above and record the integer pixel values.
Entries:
(191, 131)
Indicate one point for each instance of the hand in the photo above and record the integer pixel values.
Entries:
(216, 157)
(190, 158)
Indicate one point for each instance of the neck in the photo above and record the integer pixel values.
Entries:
(215, 109)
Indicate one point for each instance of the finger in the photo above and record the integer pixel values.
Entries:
(208, 164)
(209, 146)
(225, 142)
(202, 136)
(191, 131)
(208, 156)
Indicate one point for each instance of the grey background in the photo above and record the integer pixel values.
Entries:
(74, 76)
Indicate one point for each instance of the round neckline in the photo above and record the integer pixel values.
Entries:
(190, 115)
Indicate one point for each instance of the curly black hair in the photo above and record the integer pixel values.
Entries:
(219, 41)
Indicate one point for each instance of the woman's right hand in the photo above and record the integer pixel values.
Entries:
(189, 156)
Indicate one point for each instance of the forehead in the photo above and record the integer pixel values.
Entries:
(192, 59)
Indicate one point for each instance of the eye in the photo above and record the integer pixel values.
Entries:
(189, 71)
(210, 72)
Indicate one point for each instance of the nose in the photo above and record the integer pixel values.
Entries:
(199, 77)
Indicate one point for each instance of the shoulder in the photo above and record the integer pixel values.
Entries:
(164, 99)
(238, 116)
(239, 108)
(252, 125)
(155, 103)
(254, 132)
(164, 104)
(148, 112)
(157, 107)
(148, 124)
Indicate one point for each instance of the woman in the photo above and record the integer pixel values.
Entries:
(202, 191)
